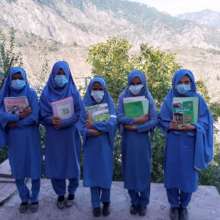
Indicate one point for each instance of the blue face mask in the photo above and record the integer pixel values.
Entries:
(183, 88)
(136, 89)
(97, 95)
(18, 84)
(61, 80)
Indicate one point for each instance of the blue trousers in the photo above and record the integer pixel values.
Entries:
(59, 186)
(24, 192)
(139, 198)
(178, 198)
(99, 195)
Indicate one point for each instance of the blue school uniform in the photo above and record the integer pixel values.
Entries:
(24, 140)
(186, 151)
(98, 150)
(62, 144)
(136, 146)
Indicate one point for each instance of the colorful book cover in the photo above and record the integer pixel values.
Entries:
(136, 106)
(15, 105)
(99, 112)
(185, 110)
(64, 108)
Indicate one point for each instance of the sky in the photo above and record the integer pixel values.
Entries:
(175, 7)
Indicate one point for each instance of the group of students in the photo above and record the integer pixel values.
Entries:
(187, 149)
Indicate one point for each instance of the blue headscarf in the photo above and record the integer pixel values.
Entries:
(89, 101)
(144, 91)
(204, 126)
(51, 93)
(6, 89)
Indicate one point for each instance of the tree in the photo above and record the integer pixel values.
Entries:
(112, 61)
(8, 54)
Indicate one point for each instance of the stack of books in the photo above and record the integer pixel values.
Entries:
(136, 106)
(15, 105)
(185, 110)
(98, 112)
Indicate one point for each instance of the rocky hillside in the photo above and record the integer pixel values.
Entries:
(206, 17)
(63, 29)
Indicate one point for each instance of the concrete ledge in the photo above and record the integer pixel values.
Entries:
(205, 205)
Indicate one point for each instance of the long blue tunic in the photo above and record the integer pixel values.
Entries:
(62, 150)
(98, 151)
(187, 151)
(136, 146)
(24, 140)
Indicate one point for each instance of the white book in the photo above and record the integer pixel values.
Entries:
(64, 108)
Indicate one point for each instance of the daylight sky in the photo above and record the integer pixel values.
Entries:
(175, 7)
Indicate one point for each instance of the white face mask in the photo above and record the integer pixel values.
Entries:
(97, 95)
(135, 89)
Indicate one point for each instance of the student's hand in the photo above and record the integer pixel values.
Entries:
(94, 132)
(89, 122)
(27, 111)
(12, 124)
(174, 125)
(131, 127)
(141, 120)
(188, 127)
(56, 121)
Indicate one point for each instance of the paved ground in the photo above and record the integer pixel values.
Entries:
(205, 205)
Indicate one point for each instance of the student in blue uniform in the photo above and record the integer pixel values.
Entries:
(2, 132)
(22, 135)
(2, 137)
(98, 147)
(62, 150)
(188, 148)
(136, 146)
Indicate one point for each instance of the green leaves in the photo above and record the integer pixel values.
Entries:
(112, 61)
(8, 54)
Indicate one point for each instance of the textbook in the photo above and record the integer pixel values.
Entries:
(136, 106)
(185, 110)
(98, 112)
(64, 108)
(15, 105)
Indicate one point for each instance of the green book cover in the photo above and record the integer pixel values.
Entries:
(185, 110)
(136, 106)
(99, 112)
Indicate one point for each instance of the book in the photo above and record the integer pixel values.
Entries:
(64, 108)
(15, 105)
(185, 110)
(136, 106)
(98, 112)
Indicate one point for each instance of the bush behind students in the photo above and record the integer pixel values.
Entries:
(22, 136)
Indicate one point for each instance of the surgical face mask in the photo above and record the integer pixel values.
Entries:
(61, 80)
(183, 88)
(18, 84)
(135, 89)
(97, 95)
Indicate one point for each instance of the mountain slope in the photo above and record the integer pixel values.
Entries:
(63, 29)
(206, 17)
(88, 21)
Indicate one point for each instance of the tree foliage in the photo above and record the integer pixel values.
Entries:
(112, 60)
